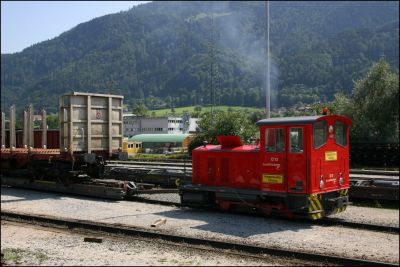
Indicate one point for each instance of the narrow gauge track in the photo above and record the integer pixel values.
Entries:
(117, 237)
(374, 185)
(324, 221)
(187, 165)
(187, 169)
(215, 244)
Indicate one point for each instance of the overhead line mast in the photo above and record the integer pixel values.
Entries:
(212, 59)
(268, 86)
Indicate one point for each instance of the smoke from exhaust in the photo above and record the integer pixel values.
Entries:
(247, 40)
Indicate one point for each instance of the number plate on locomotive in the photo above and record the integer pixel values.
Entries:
(330, 155)
(272, 178)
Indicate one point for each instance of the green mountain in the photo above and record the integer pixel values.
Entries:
(195, 53)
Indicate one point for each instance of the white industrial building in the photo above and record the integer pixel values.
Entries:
(134, 125)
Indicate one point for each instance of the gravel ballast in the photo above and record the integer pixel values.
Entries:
(333, 240)
(32, 245)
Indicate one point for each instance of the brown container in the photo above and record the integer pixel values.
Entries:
(53, 139)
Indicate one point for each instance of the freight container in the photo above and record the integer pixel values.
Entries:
(90, 123)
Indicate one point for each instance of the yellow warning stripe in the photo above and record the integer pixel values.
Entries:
(313, 216)
(341, 209)
(343, 192)
(315, 205)
(318, 203)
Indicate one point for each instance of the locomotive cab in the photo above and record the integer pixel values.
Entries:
(307, 156)
(299, 168)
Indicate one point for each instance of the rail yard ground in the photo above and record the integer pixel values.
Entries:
(332, 240)
(34, 245)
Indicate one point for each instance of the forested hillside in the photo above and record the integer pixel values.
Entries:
(173, 53)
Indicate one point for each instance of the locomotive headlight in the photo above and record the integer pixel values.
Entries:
(341, 180)
(321, 184)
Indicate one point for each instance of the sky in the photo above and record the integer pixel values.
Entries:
(24, 23)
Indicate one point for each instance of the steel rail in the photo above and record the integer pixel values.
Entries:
(188, 169)
(188, 164)
(374, 227)
(327, 221)
(373, 177)
(160, 163)
(375, 172)
(98, 236)
(216, 244)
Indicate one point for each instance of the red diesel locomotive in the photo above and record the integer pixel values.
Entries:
(299, 168)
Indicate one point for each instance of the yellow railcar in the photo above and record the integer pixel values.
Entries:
(131, 147)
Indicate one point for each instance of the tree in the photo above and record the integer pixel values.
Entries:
(376, 102)
(374, 105)
(223, 123)
(140, 110)
(52, 121)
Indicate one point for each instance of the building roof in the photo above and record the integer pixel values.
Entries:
(172, 138)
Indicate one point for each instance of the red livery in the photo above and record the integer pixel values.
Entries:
(299, 167)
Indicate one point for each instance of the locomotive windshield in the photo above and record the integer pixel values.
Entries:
(340, 133)
(274, 140)
(320, 134)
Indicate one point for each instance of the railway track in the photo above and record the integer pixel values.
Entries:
(184, 164)
(189, 163)
(365, 184)
(244, 249)
(186, 167)
(325, 221)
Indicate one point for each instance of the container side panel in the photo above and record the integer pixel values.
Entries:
(99, 143)
(116, 115)
(99, 129)
(79, 100)
(116, 143)
(80, 114)
(99, 114)
(99, 101)
(116, 103)
(116, 129)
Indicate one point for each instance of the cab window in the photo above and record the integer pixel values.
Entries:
(340, 133)
(320, 134)
(274, 140)
(296, 140)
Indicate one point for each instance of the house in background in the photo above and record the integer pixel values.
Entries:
(134, 125)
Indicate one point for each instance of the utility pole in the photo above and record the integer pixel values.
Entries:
(268, 87)
(212, 61)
